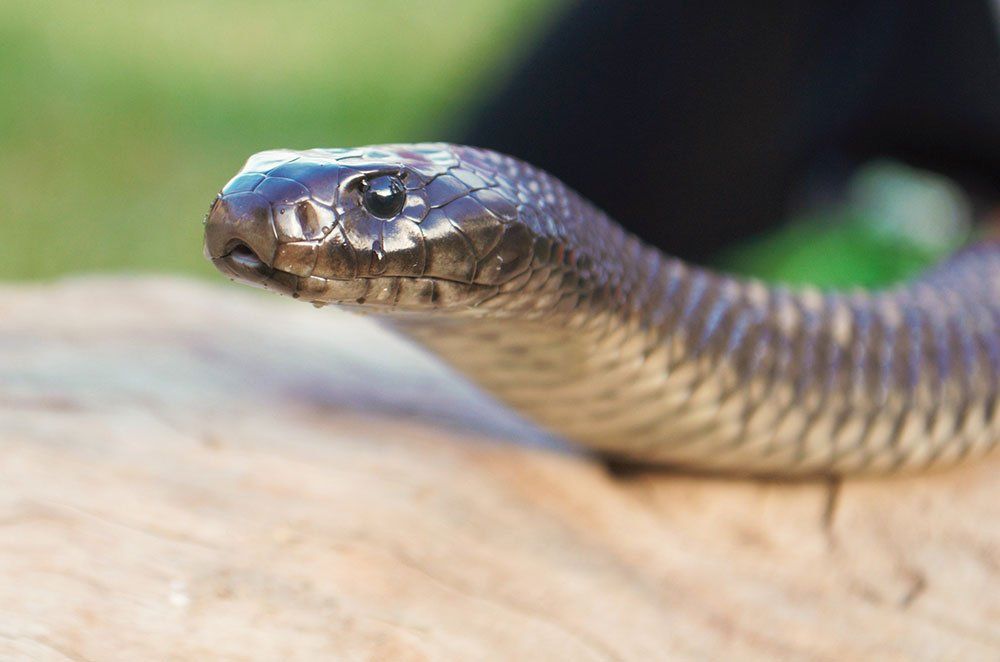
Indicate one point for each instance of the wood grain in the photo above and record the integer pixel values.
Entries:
(197, 472)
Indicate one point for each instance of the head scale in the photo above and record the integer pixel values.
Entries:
(407, 227)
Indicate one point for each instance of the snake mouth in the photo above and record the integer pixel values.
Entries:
(244, 264)
(243, 260)
(244, 257)
(384, 293)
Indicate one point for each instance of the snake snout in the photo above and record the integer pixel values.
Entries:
(241, 218)
(239, 238)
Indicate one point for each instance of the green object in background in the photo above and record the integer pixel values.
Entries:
(119, 121)
(894, 222)
(828, 252)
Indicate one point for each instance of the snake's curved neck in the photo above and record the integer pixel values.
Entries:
(683, 366)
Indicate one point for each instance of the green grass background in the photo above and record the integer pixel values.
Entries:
(119, 121)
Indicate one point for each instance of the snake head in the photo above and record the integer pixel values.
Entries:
(406, 227)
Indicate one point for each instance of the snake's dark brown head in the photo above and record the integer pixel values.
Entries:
(407, 227)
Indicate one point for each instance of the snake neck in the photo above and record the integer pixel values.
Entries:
(674, 364)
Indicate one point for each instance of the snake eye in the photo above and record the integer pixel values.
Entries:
(384, 196)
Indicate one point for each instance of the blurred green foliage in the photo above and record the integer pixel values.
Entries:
(119, 121)
(891, 222)
(830, 252)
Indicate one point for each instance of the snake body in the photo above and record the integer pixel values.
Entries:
(540, 298)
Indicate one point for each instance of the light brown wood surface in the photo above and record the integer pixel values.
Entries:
(200, 472)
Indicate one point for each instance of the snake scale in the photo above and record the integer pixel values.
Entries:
(549, 305)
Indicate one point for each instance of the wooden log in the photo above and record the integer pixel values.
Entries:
(200, 472)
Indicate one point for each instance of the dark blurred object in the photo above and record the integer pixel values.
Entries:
(693, 124)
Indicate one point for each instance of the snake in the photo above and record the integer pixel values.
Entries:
(539, 298)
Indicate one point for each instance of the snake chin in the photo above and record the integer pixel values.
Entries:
(394, 294)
